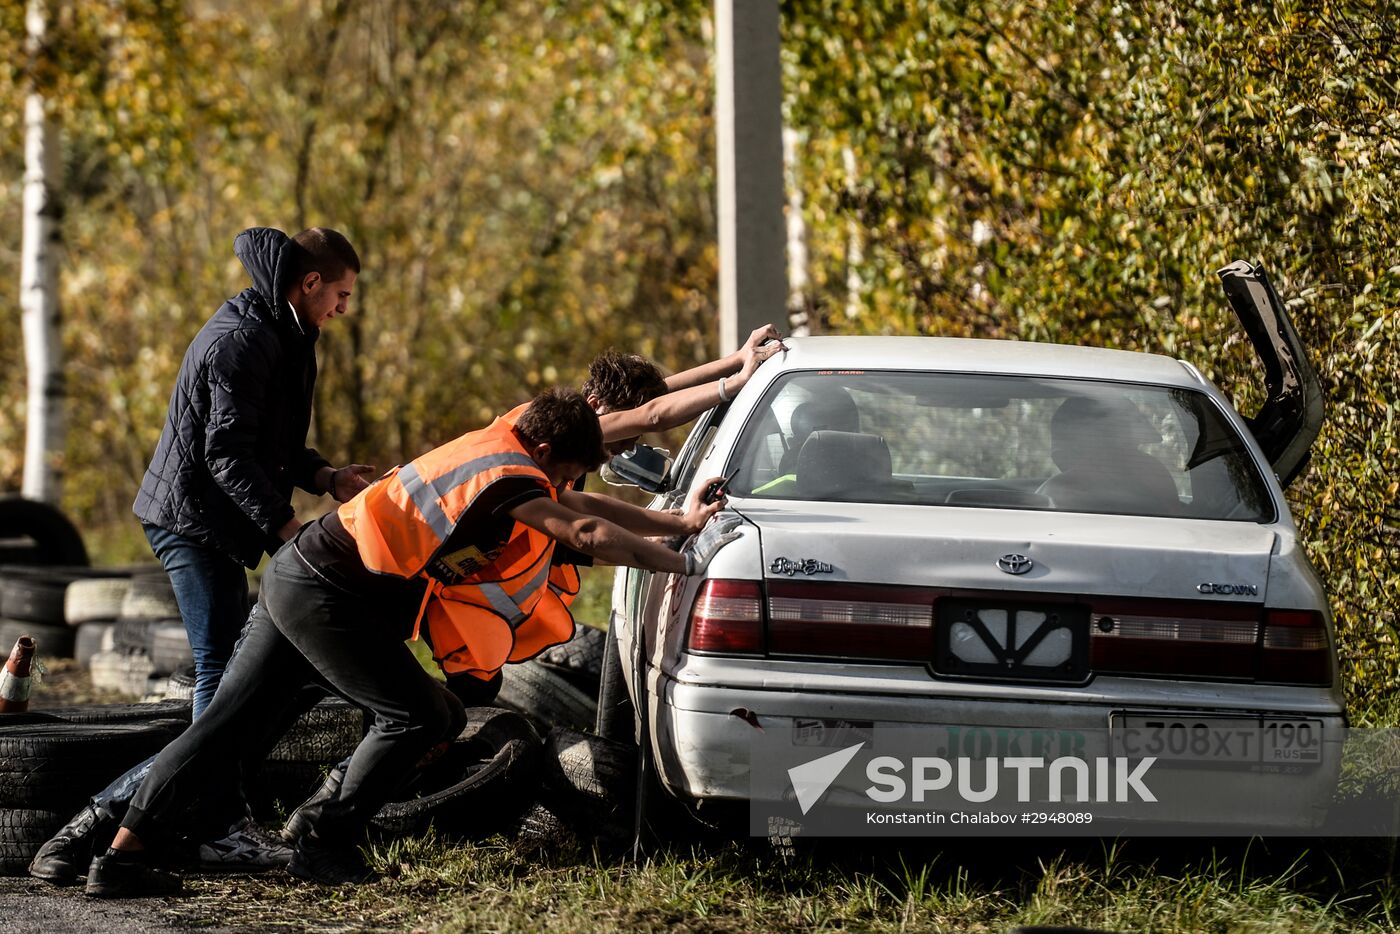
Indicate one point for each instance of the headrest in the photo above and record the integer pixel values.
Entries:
(842, 465)
(833, 411)
(1082, 429)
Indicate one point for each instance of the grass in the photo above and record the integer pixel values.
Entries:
(957, 885)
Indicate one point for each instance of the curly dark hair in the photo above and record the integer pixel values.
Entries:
(623, 381)
(563, 419)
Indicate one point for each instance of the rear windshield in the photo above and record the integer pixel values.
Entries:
(1012, 442)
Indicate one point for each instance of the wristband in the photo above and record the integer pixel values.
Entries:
(689, 557)
(723, 394)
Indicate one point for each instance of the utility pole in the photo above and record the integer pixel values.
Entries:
(749, 143)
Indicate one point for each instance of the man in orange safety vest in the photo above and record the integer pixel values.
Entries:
(455, 548)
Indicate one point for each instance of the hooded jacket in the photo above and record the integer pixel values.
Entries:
(234, 441)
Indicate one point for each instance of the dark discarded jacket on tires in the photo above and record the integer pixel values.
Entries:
(234, 441)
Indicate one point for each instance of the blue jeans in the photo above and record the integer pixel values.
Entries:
(212, 591)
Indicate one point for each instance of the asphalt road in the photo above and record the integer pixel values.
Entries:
(36, 907)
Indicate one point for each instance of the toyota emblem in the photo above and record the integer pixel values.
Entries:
(1015, 564)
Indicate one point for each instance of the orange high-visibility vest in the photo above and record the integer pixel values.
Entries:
(502, 611)
(564, 582)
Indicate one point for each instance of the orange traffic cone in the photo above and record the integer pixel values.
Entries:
(14, 680)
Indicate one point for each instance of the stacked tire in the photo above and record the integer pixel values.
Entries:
(50, 766)
(31, 603)
(587, 782)
(36, 534)
(147, 641)
(558, 687)
(482, 784)
(315, 742)
(91, 615)
(40, 553)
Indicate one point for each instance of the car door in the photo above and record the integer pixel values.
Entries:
(637, 592)
(1289, 421)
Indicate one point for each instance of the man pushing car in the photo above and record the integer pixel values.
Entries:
(455, 548)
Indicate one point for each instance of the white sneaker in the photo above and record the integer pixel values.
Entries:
(247, 847)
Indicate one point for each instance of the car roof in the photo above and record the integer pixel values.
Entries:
(968, 355)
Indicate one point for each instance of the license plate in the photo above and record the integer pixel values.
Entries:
(1015, 641)
(1172, 737)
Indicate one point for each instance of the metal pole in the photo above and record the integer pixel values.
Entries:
(749, 144)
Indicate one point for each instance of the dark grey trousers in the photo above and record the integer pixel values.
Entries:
(304, 631)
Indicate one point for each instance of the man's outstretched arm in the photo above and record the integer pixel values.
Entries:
(641, 521)
(612, 544)
(724, 366)
(682, 405)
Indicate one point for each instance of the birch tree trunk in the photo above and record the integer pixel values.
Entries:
(43, 353)
(799, 324)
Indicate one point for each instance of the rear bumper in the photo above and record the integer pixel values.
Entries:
(703, 738)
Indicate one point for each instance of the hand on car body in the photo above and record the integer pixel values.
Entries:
(720, 532)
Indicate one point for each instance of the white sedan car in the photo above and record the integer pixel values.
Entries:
(994, 536)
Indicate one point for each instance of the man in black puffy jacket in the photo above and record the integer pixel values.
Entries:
(218, 491)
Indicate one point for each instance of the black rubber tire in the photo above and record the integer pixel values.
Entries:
(22, 832)
(20, 552)
(549, 699)
(25, 717)
(51, 641)
(170, 648)
(590, 782)
(480, 786)
(92, 638)
(150, 597)
(540, 829)
(326, 733)
(101, 714)
(132, 635)
(617, 718)
(578, 661)
(56, 540)
(95, 599)
(58, 766)
(33, 598)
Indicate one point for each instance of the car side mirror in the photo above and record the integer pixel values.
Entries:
(645, 467)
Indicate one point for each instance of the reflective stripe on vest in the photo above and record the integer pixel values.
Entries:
(497, 613)
(428, 496)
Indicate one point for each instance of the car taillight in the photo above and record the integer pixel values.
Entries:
(1173, 638)
(850, 621)
(1205, 640)
(1295, 649)
(727, 618)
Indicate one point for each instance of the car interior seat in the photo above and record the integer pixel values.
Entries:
(1096, 444)
(832, 410)
(843, 465)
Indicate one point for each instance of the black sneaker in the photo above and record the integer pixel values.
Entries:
(126, 875)
(65, 857)
(246, 848)
(329, 865)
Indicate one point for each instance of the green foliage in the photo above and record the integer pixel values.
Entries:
(1075, 173)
